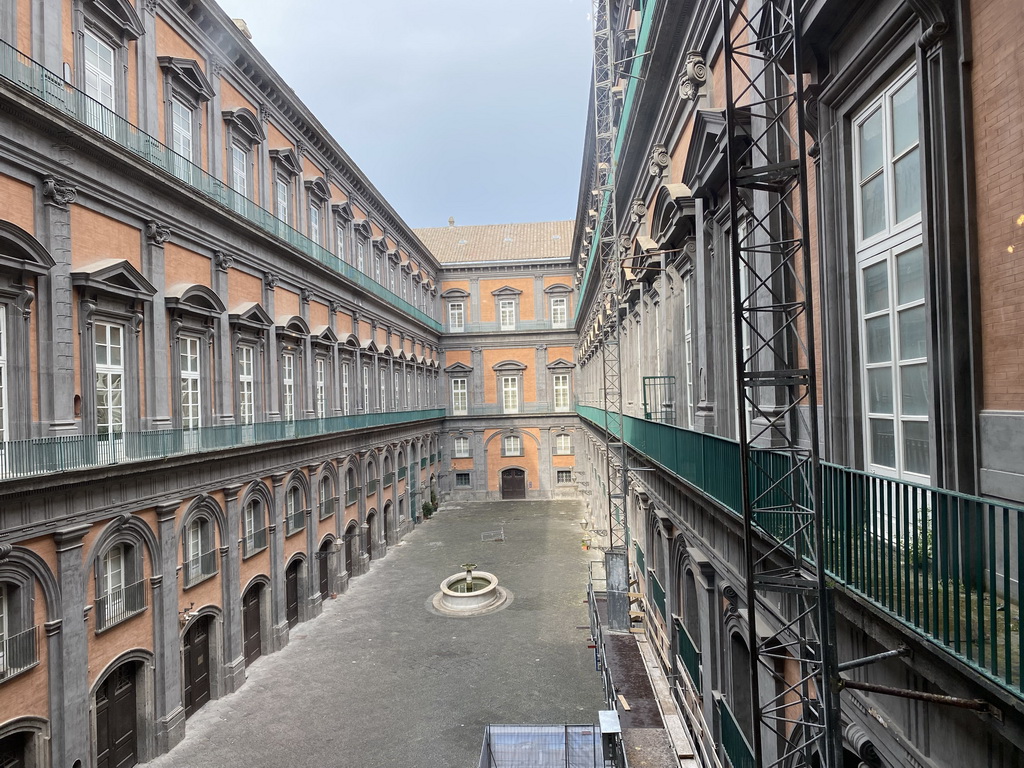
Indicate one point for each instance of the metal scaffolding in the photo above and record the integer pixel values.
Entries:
(793, 670)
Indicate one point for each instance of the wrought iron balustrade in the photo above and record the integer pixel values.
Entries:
(254, 541)
(117, 605)
(200, 567)
(18, 652)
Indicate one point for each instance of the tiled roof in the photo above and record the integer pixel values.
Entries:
(499, 242)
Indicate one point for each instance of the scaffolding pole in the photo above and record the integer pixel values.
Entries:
(793, 669)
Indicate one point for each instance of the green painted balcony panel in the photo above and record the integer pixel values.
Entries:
(638, 555)
(423, 463)
(389, 479)
(402, 472)
(45, 455)
(657, 592)
(687, 651)
(33, 78)
(734, 743)
(944, 563)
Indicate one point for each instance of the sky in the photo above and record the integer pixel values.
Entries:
(474, 109)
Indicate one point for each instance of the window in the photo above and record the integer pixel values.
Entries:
(181, 139)
(510, 394)
(3, 374)
(339, 237)
(361, 256)
(282, 199)
(120, 593)
(456, 317)
(405, 290)
(314, 223)
(563, 445)
(191, 395)
(462, 480)
(563, 476)
(460, 448)
(561, 391)
(512, 445)
(344, 389)
(460, 397)
(383, 377)
(327, 500)
(254, 532)
(4, 632)
(321, 387)
(688, 348)
(199, 557)
(294, 514)
(246, 386)
(377, 264)
(239, 171)
(408, 390)
(366, 389)
(559, 311)
(398, 391)
(891, 277)
(109, 378)
(507, 311)
(288, 385)
(99, 70)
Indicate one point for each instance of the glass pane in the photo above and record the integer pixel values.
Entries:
(879, 349)
(872, 204)
(883, 442)
(908, 185)
(870, 144)
(913, 343)
(880, 390)
(910, 276)
(916, 451)
(904, 117)
(914, 390)
(876, 288)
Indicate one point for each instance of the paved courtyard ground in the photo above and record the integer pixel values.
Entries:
(378, 681)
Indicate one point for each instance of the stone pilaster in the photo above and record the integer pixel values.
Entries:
(169, 713)
(278, 613)
(158, 407)
(72, 577)
(223, 375)
(231, 591)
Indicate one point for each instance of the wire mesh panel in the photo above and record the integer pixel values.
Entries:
(541, 746)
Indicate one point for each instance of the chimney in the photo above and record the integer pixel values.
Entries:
(451, 221)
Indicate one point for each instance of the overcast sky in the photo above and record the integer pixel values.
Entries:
(468, 108)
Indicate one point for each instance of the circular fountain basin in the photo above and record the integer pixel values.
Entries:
(461, 598)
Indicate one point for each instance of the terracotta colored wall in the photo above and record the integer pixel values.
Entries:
(95, 237)
(528, 461)
(286, 303)
(242, 288)
(487, 303)
(185, 266)
(18, 203)
(318, 314)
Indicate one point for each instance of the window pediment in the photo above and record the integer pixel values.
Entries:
(116, 277)
(286, 160)
(558, 288)
(343, 211)
(351, 341)
(244, 124)
(324, 334)
(119, 15)
(362, 227)
(706, 168)
(197, 299)
(509, 366)
(318, 188)
(674, 215)
(455, 294)
(292, 326)
(380, 244)
(561, 364)
(22, 252)
(506, 291)
(369, 345)
(251, 314)
(394, 257)
(458, 369)
(189, 74)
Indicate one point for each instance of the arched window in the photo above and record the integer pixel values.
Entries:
(17, 631)
(294, 510)
(199, 554)
(351, 486)
(120, 588)
(254, 527)
(328, 502)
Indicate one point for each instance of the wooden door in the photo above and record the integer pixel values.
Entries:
(350, 550)
(196, 666)
(252, 645)
(291, 593)
(324, 557)
(513, 484)
(116, 719)
(371, 534)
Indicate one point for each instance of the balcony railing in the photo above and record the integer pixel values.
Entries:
(45, 455)
(200, 567)
(33, 78)
(371, 487)
(433, 458)
(495, 327)
(688, 654)
(389, 479)
(254, 541)
(734, 743)
(638, 554)
(423, 463)
(295, 522)
(496, 409)
(947, 564)
(352, 495)
(402, 472)
(657, 593)
(328, 507)
(18, 653)
(120, 604)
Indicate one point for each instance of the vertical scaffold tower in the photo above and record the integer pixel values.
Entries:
(793, 670)
(608, 251)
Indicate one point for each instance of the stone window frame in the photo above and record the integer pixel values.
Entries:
(256, 494)
(195, 311)
(124, 535)
(243, 130)
(561, 367)
(207, 512)
(318, 195)
(467, 477)
(507, 293)
(379, 250)
(559, 291)
(291, 339)
(116, 23)
(297, 488)
(111, 292)
(185, 81)
(505, 438)
(394, 267)
(343, 218)
(323, 346)
(249, 325)
(362, 234)
(20, 607)
(554, 444)
(456, 453)
(456, 296)
(560, 472)
(510, 368)
(328, 476)
(284, 168)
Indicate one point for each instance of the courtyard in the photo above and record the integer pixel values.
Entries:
(380, 680)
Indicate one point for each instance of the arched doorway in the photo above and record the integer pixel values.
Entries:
(324, 568)
(14, 750)
(513, 483)
(196, 664)
(387, 522)
(371, 534)
(350, 549)
(117, 730)
(252, 620)
(291, 592)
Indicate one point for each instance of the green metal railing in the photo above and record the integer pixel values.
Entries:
(734, 743)
(687, 651)
(402, 472)
(638, 553)
(46, 455)
(35, 79)
(944, 563)
(657, 592)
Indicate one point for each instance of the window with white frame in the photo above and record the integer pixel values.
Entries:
(397, 390)
(688, 349)
(512, 445)
(3, 375)
(361, 256)
(345, 403)
(559, 311)
(366, 389)
(460, 397)
(191, 392)
(239, 169)
(314, 223)
(181, 138)
(561, 382)
(282, 199)
(383, 381)
(563, 444)
(321, 387)
(456, 317)
(510, 394)
(563, 476)
(891, 267)
(246, 385)
(99, 70)
(339, 237)
(408, 390)
(199, 557)
(254, 531)
(378, 263)
(288, 385)
(121, 593)
(460, 448)
(114, 582)
(405, 289)
(109, 378)
(507, 312)
(326, 496)
(294, 514)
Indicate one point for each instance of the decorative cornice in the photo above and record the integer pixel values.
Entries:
(271, 280)
(695, 74)
(223, 261)
(658, 160)
(58, 192)
(638, 210)
(157, 233)
(305, 295)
